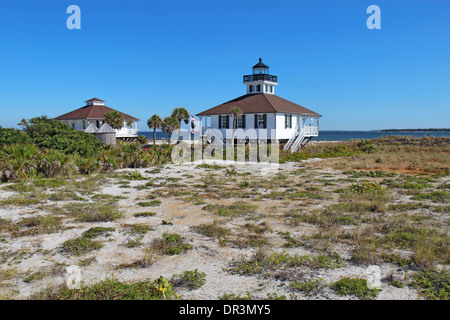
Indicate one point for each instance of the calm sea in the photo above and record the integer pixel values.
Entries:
(331, 135)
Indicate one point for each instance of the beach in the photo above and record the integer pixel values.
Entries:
(228, 218)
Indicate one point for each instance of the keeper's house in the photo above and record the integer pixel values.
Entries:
(271, 116)
(94, 113)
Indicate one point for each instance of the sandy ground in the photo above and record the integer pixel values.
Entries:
(33, 253)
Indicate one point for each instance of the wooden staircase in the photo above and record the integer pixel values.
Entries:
(297, 141)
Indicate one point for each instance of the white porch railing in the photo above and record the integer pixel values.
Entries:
(126, 132)
(311, 131)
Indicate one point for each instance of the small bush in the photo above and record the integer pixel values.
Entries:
(356, 287)
(366, 146)
(171, 244)
(80, 246)
(433, 284)
(144, 214)
(113, 290)
(231, 210)
(153, 203)
(368, 187)
(191, 279)
(309, 287)
(96, 231)
(436, 196)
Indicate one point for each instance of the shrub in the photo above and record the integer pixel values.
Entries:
(436, 196)
(80, 245)
(232, 210)
(190, 279)
(12, 136)
(367, 187)
(92, 212)
(354, 286)
(144, 214)
(96, 231)
(309, 287)
(433, 284)
(366, 146)
(42, 224)
(49, 133)
(113, 290)
(153, 203)
(171, 244)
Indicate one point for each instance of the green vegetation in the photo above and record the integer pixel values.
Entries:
(80, 245)
(309, 287)
(144, 214)
(371, 174)
(191, 279)
(113, 290)
(153, 203)
(433, 284)
(265, 263)
(171, 244)
(232, 210)
(340, 150)
(91, 212)
(41, 224)
(85, 244)
(410, 182)
(96, 231)
(213, 230)
(49, 148)
(367, 187)
(436, 196)
(356, 287)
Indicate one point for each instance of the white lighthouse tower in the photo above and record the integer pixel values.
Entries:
(260, 81)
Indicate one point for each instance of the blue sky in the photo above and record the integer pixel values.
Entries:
(147, 57)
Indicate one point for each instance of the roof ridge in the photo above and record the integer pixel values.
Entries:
(270, 102)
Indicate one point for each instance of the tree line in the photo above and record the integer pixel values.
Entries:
(173, 122)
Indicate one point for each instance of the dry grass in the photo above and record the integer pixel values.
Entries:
(413, 155)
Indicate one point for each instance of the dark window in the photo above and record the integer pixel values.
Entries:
(240, 122)
(224, 122)
(287, 121)
(260, 121)
(258, 88)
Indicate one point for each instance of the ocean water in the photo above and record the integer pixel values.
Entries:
(335, 135)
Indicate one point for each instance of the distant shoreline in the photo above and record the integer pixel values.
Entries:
(417, 130)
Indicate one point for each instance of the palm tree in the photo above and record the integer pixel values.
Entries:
(169, 125)
(236, 113)
(181, 114)
(155, 122)
(114, 119)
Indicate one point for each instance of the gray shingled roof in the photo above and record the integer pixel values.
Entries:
(92, 128)
(105, 128)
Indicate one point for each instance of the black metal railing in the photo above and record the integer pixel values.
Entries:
(260, 77)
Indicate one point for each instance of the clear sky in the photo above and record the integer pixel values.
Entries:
(147, 57)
